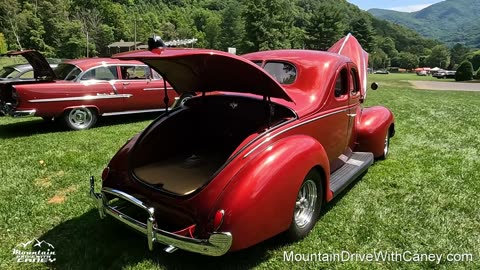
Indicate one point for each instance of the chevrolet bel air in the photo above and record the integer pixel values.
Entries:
(88, 88)
(274, 136)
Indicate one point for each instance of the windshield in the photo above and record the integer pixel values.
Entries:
(8, 72)
(67, 72)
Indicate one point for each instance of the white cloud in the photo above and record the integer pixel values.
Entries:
(411, 8)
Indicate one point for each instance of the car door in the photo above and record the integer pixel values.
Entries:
(354, 107)
(146, 89)
(332, 129)
(103, 88)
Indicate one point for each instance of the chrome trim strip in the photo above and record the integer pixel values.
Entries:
(216, 245)
(292, 127)
(25, 113)
(344, 42)
(157, 88)
(80, 98)
(131, 112)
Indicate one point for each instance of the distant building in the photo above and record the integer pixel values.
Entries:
(124, 46)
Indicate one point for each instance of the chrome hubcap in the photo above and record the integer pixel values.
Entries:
(80, 117)
(305, 204)
(184, 100)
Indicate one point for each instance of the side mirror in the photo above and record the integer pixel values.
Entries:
(374, 86)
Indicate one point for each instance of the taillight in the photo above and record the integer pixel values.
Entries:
(105, 173)
(15, 98)
(218, 220)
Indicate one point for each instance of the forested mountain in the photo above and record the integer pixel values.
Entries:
(60, 27)
(451, 21)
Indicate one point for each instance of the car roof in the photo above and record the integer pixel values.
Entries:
(87, 63)
(25, 67)
(20, 67)
(315, 73)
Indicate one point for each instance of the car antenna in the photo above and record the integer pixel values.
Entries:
(155, 43)
(165, 99)
(268, 109)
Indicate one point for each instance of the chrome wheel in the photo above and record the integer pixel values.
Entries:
(80, 118)
(306, 204)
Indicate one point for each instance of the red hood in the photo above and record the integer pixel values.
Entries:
(41, 68)
(198, 70)
(351, 48)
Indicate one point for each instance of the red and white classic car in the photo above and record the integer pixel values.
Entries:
(88, 88)
(227, 170)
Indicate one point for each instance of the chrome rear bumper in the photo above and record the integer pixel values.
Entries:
(8, 109)
(216, 245)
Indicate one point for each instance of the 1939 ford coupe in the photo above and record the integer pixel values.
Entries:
(274, 136)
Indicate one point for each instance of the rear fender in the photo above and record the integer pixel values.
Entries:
(372, 128)
(259, 201)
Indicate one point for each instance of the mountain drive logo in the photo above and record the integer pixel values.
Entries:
(34, 251)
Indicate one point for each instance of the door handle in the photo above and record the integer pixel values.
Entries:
(126, 83)
(351, 114)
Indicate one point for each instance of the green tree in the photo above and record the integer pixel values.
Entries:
(405, 60)
(32, 35)
(439, 57)
(464, 71)
(361, 28)
(267, 24)
(74, 41)
(387, 45)
(458, 54)
(212, 31)
(325, 26)
(3, 44)
(379, 59)
(477, 75)
(232, 27)
(11, 22)
(475, 59)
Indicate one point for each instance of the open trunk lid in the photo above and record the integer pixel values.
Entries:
(199, 70)
(41, 68)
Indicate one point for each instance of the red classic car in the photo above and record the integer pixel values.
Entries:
(89, 88)
(227, 170)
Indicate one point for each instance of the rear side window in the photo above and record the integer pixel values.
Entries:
(135, 72)
(341, 83)
(284, 73)
(355, 86)
(27, 75)
(101, 73)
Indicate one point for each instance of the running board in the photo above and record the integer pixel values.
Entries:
(351, 170)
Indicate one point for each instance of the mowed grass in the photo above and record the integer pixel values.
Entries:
(424, 198)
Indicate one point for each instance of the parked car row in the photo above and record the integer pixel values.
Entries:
(79, 91)
(444, 74)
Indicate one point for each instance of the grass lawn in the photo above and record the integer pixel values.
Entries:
(406, 77)
(424, 199)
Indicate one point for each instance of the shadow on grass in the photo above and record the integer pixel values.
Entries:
(39, 126)
(331, 204)
(87, 242)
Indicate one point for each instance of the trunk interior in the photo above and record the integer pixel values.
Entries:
(182, 152)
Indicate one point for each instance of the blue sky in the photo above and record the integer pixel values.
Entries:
(399, 5)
